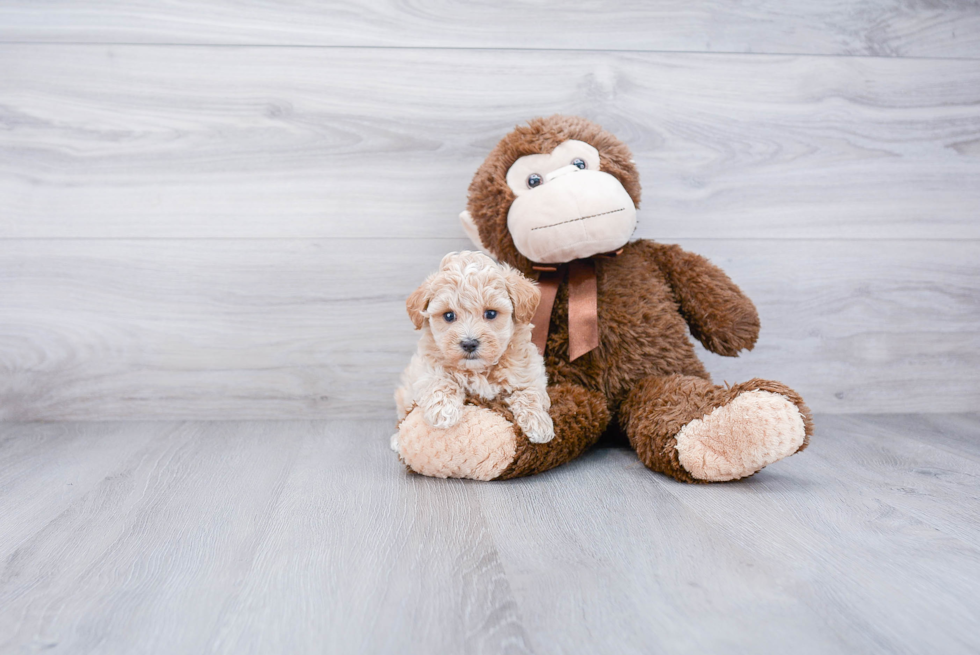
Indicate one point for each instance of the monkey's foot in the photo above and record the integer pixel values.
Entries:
(486, 444)
(737, 439)
(480, 446)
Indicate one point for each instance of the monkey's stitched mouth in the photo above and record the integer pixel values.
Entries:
(573, 220)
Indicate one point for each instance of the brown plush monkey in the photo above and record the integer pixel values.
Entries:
(557, 200)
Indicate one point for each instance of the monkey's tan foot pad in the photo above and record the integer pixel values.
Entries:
(755, 429)
(480, 447)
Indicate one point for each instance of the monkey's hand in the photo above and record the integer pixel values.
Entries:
(720, 316)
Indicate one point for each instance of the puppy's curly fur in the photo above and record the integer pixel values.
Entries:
(475, 317)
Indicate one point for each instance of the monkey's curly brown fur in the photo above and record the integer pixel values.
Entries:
(644, 378)
(580, 419)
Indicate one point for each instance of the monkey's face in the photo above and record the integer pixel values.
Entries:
(565, 207)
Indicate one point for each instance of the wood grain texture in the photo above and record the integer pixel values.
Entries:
(181, 547)
(46, 468)
(950, 28)
(824, 543)
(890, 324)
(949, 432)
(301, 537)
(210, 142)
(209, 329)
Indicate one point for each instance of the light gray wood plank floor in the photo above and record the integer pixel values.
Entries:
(297, 537)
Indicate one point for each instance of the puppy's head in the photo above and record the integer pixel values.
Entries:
(472, 306)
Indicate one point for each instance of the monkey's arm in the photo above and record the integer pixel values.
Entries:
(720, 316)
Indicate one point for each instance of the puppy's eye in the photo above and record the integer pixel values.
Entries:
(533, 180)
(490, 314)
(449, 316)
(580, 163)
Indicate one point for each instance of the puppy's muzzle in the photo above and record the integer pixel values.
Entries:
(469, 345)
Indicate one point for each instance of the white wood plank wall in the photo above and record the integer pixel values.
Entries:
(215, 209)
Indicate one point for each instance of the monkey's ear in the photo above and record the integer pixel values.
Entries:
(471, 230)
(418, 302)
(524, 294)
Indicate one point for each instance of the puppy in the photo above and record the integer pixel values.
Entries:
(475, 317)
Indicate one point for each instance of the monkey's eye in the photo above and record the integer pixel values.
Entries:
(449, 316)
(579, 163)
(533, 180)
(490, 314)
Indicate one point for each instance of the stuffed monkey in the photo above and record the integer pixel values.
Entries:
(557, 200)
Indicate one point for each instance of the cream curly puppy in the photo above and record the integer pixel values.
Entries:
(475, 317)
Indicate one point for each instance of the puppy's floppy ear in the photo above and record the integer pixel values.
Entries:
(524, 294)
(418, 302)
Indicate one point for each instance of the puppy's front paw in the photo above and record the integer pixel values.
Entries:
(443, 414)
(394, 442)
(537, 425)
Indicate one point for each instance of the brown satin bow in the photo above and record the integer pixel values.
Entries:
(583, 308)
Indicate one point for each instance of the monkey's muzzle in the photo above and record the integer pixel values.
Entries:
(572, 216)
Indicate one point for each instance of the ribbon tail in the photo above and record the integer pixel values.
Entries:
(548, 282)
(583, 311)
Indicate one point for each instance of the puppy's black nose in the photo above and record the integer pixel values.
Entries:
(469, 345)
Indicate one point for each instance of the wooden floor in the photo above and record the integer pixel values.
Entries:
(301, 537)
